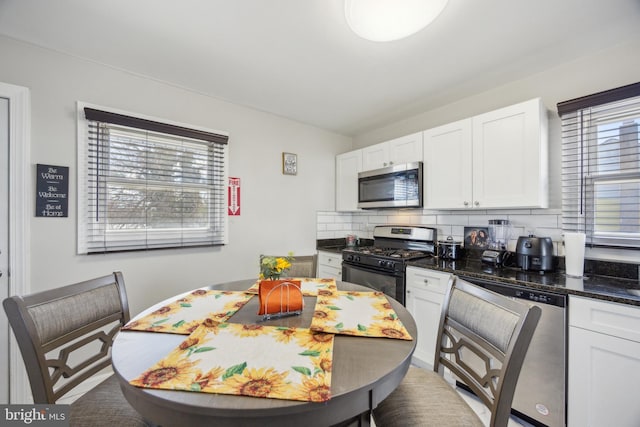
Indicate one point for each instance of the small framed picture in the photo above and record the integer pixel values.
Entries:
(476, 237)
(289, 164)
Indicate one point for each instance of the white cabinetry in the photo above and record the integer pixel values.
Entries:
(494, 160)
(424, 297)
(329, 265)
(604, 364)
(396, 151)
(347, 167)
(447, 166)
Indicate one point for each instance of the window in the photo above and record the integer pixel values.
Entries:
(144, 184)
(601, 166)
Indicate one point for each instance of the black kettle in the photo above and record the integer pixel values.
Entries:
(534, 253)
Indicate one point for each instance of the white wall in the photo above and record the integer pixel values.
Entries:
(610, 68)
(278, 211)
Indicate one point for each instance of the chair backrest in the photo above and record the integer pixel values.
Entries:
(483, 339)
(65, 334)
(301, 266)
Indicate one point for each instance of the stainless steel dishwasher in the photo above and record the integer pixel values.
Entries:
(540, 396)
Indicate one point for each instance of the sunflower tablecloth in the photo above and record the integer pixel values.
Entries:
(367, 314)
(249, 360)
(310, 286)
(185, 314)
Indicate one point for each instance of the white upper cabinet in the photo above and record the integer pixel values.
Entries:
(494, 160)
(447, 166)
(510, 157)
(347, 167)
(396, 151)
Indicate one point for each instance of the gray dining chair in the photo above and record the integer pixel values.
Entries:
(483, 339)
(301, 266)
(65, 337)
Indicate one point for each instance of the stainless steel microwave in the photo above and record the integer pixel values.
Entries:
(397, 186)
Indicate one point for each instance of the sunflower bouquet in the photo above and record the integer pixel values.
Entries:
(271, 267)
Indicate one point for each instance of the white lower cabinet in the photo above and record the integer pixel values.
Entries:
(604, 364)
(329, 265)
(424, 296)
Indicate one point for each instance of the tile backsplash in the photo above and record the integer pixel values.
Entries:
(540, 222)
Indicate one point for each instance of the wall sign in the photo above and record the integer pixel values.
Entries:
(52, 191)
(289, 164)
(234, 196)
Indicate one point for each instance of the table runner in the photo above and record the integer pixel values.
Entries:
(185, 314)
(367, 314)
(310, 286)
(250, 360)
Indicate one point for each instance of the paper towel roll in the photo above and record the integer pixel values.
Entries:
(574, 254)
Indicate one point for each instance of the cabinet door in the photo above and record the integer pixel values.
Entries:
(510, 157)
(347, 167)
(329, 265)
(328, 272)
(604, 380)
(406, 149)
(375, 156)
(425, 294)
(425, 307)
(447, 166)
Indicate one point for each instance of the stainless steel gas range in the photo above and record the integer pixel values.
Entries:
(382, 265)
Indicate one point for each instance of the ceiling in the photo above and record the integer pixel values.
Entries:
(298, 58)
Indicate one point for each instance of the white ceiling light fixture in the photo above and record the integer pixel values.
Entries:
(387, 20)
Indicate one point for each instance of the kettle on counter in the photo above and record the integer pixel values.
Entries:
(535, 253)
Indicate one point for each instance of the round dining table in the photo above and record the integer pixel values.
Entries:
(364, 372)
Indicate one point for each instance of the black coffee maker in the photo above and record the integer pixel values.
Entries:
(534, 253)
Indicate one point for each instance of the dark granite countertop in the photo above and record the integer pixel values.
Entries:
(599, 286)
(614, 289)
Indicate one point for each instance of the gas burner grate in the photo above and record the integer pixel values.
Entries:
(392, 252)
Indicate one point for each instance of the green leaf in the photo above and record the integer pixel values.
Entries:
(218, 296)
(350, 297)
(302, 369)
(195, 387)
(178, 324)
(236, 369)
(185, 304)
(339, 326)
(203, 349)
(333, 307)
(158, 322)
(312, 353)
(362, 328)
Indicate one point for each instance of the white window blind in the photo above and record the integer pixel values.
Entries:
(149, 185)
(601, 167)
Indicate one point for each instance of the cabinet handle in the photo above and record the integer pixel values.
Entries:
(477, 203)
(466, 203)
(390, 163)
(426, 281)
(384, 164)
(408, 291)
